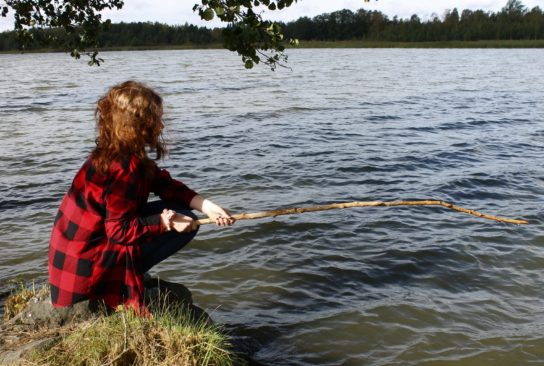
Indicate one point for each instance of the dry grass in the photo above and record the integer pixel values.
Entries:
(168, 337)
(18, 300)
(171, 336)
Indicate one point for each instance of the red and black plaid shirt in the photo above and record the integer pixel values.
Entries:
(94, 251)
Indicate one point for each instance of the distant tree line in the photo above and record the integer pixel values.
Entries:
(513, 22)
(141, 34)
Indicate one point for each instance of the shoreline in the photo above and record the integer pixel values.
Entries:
(507, 44)
(177, 332)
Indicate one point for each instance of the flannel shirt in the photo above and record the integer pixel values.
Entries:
(94, 251)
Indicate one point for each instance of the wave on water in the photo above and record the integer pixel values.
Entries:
(372, 286)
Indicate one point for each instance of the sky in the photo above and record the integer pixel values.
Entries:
(180, 11)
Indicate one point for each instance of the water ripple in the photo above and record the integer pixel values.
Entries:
(368, 286)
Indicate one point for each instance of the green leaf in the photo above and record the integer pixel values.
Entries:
(248, 64)
(272, 6)
(219, 11)
(207, 14)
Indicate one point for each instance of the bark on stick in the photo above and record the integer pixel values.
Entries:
(334, 206)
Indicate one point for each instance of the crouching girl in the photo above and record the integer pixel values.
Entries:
(106, 235)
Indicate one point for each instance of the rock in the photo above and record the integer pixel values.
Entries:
(34, 328)
(40, 313)
(169, 294)
(16, 355)
(157, 290)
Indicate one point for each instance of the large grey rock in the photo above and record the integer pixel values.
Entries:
(169, 294)
(14, 355)
(40, 313)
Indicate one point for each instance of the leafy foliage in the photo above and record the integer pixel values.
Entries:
(80, 19)
(247, 33)
(514, 6)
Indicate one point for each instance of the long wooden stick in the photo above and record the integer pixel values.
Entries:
(299, 210)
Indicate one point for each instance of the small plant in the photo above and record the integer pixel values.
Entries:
(19, 298)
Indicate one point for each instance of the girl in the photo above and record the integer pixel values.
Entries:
(106, 235)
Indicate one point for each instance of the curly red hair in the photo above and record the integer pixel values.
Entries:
(129, 121)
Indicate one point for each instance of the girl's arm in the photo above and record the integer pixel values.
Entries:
(214, 212)
(172, 220)
(169, 189)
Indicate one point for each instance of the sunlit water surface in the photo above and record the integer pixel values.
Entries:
(368, 286)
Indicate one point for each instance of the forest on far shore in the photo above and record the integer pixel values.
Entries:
(513, 22)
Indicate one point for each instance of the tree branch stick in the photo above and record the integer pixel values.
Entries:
(299, 210)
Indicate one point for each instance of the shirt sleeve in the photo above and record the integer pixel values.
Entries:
(170, 189)
(122, 223)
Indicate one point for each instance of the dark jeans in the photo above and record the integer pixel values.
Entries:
(166, 244)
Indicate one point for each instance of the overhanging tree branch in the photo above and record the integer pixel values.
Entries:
(80, 19)
(247, 33)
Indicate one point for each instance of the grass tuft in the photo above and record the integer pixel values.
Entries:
(168, 337)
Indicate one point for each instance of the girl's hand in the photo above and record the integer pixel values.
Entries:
(221, 216)
(183, 224)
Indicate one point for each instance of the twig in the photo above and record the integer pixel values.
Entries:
(299, 210)
(115, 359)
(125, 324)
(125, 348)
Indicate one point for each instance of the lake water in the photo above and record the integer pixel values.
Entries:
(363, 286)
